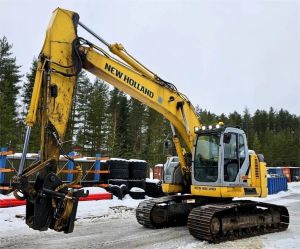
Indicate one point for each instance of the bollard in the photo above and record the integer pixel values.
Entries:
(70, 166)
(2, 164)
(97, 167)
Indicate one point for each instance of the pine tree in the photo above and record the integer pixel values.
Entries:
(135, 129)
(157, 130)
(113, 112)
(271, 119)
(9, 79)
(235, 119)
(247, 126)
(97, 118)
(78, 120)
(206, 117)
(122, 147)
(256, 144)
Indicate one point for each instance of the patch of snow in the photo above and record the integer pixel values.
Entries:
(118, 159)
(135, 189)
(293, 188)
(86, 211)
(8, 196)
(19, 155)
(91, 211)
(95, 190)
(156, 181)
(137, 160)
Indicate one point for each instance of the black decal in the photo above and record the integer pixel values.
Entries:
(107, 67)
(126, 78)
(151, 94)
(134, 85)
(112, 70)
(131, 82)
(119, 74)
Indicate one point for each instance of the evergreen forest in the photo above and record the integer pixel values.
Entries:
(106, 121)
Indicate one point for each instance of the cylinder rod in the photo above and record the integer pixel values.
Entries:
(25, 148)
(94, 34)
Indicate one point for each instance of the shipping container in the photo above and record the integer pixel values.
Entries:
(287, 172)
(158, 171)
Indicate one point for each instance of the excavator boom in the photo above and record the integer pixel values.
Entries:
(62, 57)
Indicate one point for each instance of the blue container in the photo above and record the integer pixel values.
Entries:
(270, 186)
(277, 184)
(97, 167)
(2, 163)
(70, 166)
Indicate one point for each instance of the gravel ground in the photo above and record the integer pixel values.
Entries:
(119, 229)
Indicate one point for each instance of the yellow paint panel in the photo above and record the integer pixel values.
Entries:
(171, 188)
(224, 192)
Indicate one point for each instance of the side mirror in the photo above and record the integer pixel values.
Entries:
(226, 138)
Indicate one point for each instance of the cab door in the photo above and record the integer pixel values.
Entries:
(235, 159)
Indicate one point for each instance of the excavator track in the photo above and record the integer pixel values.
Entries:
(241, 219)
(165, 211)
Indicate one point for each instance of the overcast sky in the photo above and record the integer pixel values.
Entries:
(224, 55)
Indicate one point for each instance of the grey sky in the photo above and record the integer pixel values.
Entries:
(224, 55)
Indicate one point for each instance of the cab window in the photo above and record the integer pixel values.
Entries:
(231, 158)
(207, 158)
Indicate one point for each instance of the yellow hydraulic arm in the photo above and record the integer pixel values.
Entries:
(50, 203)
(66, 54)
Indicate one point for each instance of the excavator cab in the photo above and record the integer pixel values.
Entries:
(224, 167)
(221, 161)
(220, 157)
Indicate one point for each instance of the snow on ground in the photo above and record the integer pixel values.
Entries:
(112, 224)
(152, 180)
(12, 219)
(279, 198)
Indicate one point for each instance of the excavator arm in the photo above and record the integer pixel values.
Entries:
(50, 203)
(161, 96)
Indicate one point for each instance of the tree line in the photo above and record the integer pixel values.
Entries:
(106, 121)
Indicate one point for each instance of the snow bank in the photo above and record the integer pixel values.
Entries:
(13, 218)
(137, 160)
(293, 188)
(118, 159)
(95, 190)
(19, 155)
(152, 180)
(9, 196)
(135, 189)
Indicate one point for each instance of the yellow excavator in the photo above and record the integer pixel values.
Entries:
(214, 166)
